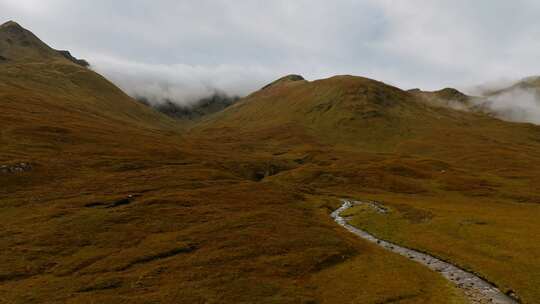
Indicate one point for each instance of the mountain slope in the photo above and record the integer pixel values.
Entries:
(105, 200)
(61, 77)
(438, 168)
(355, 111)
(19, 44)
(45, 96)
(335, 109)
(363, 115)
(52, 107)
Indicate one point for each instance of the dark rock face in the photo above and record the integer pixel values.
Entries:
(69, 57)
(203, 107)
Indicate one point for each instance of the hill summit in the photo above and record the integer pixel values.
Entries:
(344, 109)
(447, 97)
(20, 45)
(285, 79)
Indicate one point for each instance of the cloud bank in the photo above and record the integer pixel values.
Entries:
(180, 83)
(516, 103)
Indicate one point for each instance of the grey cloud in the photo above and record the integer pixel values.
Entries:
(181, 83)
(519, 105)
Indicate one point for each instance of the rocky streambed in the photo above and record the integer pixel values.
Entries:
(475, 288)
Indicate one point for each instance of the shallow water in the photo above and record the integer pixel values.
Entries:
(474, 287)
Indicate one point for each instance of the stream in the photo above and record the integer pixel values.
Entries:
(477, 290)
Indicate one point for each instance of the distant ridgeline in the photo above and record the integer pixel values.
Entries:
(193, 111)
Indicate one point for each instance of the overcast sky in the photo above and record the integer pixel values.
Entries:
(186, 48)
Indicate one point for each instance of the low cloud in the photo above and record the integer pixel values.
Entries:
(516, 104)
(180, 83)
(486, 88)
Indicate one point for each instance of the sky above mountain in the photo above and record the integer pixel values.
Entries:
(185, 49)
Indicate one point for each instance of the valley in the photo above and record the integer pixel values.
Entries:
(106, 200)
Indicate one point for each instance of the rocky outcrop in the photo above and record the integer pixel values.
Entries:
(68, 56)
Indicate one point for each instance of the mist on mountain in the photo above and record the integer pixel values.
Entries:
(192, 110)
(516, 101)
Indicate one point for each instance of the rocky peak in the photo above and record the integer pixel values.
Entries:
(20, 45)
(11, 25)
(71, 58)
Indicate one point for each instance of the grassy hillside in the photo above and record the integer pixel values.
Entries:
(461, 185)
(115, 206)
(20, 45)
(104, 200)
(335, 110)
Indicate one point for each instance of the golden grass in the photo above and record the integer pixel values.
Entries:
(374, 277)
(236, 209)
(497, 239)
(476, 178)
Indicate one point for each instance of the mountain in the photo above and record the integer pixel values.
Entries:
(334, 109)
(53, 107)
(366, 115)
(19, 44)
(107, 200)
(435, 165)
(349, 110)
(60, 80)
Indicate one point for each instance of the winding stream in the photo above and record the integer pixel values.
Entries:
(475, 288)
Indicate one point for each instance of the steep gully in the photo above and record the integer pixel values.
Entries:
(477, 290)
